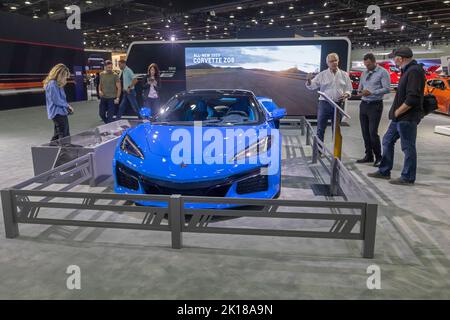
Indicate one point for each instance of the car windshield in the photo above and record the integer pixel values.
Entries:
(211, 109)
(394, 69)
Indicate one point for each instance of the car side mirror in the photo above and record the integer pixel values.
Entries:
(278, 113)
(145, 113)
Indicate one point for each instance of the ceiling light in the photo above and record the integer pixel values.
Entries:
(327, 16)
(291, 7)
(13, 8)
(399, 8)
(231, 17)
(311, 12)
(239, 8)
(269, 2)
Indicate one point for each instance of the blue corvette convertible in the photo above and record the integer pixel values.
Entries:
(208, 143)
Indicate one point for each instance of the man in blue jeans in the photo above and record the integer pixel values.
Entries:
(405, 114)
(336, 84)
(129, 80)
(109, 92)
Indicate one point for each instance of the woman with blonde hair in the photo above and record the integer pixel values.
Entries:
(56, 101)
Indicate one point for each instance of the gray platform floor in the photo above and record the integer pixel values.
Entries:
(412, 248)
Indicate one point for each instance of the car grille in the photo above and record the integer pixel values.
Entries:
(253, 184)
(126, 177)
(185, 189)
(248, 182)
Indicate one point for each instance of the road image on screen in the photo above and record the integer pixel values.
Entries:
(278, 72)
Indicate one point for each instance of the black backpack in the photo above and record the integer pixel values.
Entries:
(429, 104)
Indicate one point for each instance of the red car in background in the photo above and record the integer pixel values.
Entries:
(394, 72)
(432, 72)
(355, 76)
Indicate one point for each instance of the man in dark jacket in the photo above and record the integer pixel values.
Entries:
(405, 114)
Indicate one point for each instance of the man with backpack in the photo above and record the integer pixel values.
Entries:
(405, 114)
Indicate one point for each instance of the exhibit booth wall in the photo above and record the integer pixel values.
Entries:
(275, 68)
(29, 49)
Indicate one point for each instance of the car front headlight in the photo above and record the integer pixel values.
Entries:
(129, 146)
(260, 147)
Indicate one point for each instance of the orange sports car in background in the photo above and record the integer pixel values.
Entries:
(440, 88)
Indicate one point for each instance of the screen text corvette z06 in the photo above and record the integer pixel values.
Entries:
(208, 143)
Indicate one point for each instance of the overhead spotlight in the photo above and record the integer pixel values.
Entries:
(325, 4)
(172, 38)
(109, 12)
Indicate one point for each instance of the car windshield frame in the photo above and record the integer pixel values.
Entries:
(179, 102)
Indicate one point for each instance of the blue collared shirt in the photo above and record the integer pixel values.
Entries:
(378, 82)
(128, 76)
(56, 100)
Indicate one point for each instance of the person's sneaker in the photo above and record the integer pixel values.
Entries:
(365, 160)
(377, 163)
(378, 175)
(401, 182)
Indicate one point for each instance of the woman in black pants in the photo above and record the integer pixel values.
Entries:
(57, 106)
(151, 87)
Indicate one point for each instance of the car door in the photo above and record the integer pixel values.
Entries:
(439, 90)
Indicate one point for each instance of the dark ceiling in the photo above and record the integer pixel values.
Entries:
(114, 24)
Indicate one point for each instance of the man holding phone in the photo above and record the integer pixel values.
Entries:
(375, 82)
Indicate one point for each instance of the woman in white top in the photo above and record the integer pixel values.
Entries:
(151, 88)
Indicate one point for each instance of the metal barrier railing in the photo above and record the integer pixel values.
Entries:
(24, 206)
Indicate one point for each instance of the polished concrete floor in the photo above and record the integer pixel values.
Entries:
(412, 245)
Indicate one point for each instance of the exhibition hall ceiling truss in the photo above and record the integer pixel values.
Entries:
(114, 24)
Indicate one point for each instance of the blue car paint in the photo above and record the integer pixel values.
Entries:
(155, 143)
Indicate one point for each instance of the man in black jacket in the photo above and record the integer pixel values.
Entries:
(405, 114)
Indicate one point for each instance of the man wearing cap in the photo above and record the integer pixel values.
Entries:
(405, 114)
(109, 91)
(129, 80)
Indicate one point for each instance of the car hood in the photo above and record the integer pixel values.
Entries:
(157, 142)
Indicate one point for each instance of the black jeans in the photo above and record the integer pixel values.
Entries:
(106, 109)
(369, 117)
(61, 129)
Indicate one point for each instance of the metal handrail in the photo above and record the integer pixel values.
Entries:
(334, 104)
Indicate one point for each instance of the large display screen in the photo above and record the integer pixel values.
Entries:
(277, 72)
(275, 68)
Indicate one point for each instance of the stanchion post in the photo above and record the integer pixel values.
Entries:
(175, 213)
(11, 225)
(315, 150)
(92, 182)
(370, 225)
